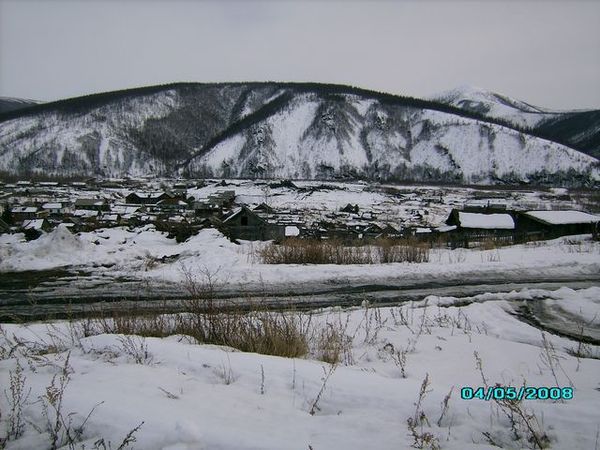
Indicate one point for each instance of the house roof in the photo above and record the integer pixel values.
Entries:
(24, 209)
(291, 230)
(52, 206)
(486, 221)
(562, 217)
(445, 228)
(89, 202)
(35, 224)
(237, 211)
(148, 194)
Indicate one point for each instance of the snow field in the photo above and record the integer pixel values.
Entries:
(193, 396)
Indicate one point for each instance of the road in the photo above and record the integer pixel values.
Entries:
(27, 296)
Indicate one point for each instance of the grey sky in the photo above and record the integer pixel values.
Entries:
(546, 53)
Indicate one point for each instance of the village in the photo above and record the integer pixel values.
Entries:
(258, 210)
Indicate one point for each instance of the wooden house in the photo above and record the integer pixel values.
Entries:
(147, 198)
(223, 199)
(22, 213)
(4, 227)
(481, 222)
(473, 227)
(350, 209)
(245, 224)
(92, 204)
(172, 205)
(37, 224)
(56, 208)
(263, 208)
(552, 224)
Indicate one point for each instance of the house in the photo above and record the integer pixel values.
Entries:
(37, 224)
(108, 220)
(350, 209)
(56, 208)
(206, 209)
(264, 208)
(245, 224)
(4, 227)
(476, 227)
(481, 222)
(172, 204)
(21, 213)
(223, 199)
(147, 198)
(215, 204)
(552, 224)
(92, 204)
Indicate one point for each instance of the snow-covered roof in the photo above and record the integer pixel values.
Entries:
(109, 217)
(155, 194)
(52, 206)
(125, 209)
(89, 202)
(35, 224)
(563, 217)
(445, 228)
(84, 213)
(486, 221)
(292, 231)
(24, 209)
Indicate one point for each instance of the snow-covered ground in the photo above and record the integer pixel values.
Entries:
(150, 255)
(192, 396)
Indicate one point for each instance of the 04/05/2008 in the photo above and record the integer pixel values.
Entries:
(516, 393)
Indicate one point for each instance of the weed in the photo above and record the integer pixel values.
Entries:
(16, 400)
(416, 423)
(136, 348)
(225, 373)
(326, 375)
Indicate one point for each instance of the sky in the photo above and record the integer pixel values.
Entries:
(544, 52)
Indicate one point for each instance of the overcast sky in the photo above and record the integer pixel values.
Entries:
(543, 52)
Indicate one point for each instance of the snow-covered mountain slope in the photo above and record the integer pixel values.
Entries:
(493, 105)
(576, 129)
(13, 104)
(279, 130)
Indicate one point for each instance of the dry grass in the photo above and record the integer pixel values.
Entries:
(258, 331)
(310, 251)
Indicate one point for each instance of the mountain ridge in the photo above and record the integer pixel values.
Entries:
(244, 129)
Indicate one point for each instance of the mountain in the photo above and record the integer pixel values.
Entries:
(283, 130)
(13, 104)
(576, 129)
(495, 106)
